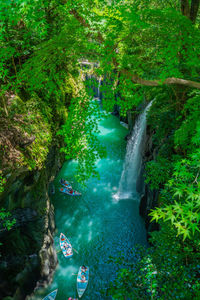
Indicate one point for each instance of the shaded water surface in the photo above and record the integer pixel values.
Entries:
(98, 224)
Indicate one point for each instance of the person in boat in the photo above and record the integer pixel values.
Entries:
(71, 191)
(65, 247)
(69, 251)
(83, 278)
(83, 269)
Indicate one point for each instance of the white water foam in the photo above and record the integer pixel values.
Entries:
(133, 159)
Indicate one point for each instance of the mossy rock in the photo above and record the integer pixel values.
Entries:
(17, 105)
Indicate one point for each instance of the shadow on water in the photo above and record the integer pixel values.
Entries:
(97, 225)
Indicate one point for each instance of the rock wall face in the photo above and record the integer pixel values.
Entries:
(149, 199)
(28, 257)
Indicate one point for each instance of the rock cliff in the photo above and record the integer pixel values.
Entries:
(149, 198)
(28, 257)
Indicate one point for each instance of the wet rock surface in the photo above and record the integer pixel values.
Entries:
(149, 198)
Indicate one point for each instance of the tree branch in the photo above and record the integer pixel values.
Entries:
(85, 24)
(167, 81)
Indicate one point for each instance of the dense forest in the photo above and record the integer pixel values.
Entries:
(141, 51)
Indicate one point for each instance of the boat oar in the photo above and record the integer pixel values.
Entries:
(72, 248)
(77, 274)
(75, 250)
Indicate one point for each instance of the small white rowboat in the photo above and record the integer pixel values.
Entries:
(65, 246)
(82, 280)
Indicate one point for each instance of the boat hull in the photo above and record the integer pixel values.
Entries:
(51, 296)
(65, 183)
(65, 246)
(69, 192)
(82, 281)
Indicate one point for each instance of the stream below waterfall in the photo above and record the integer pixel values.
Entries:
(100, 223)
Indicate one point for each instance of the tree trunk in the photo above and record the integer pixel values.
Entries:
(185, 8)
(4, 105)
(194, 10)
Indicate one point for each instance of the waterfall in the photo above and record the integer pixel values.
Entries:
(98, 91)
(133, 159)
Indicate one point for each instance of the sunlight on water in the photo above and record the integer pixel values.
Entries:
(67, 271)
(90, 236)
(69, 222)
(105, 131)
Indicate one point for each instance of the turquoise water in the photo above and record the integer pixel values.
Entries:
(97, 224)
